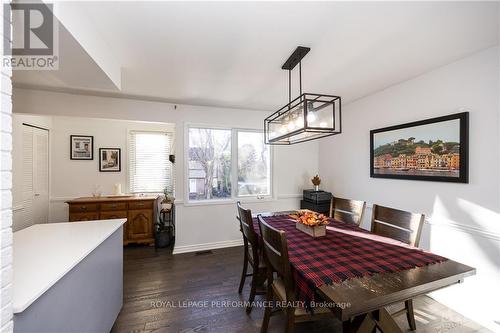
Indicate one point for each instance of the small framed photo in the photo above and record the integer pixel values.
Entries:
(110, 160)
(81, 147)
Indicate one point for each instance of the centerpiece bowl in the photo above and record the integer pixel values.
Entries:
(311, 223)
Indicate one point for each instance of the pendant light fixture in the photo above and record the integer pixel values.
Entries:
(307, 117)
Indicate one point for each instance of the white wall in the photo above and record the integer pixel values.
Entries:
(464, 219)
(74, 178)
(204, 226)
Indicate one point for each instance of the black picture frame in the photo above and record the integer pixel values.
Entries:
(463, 168)
(73, 152)
(105, 167)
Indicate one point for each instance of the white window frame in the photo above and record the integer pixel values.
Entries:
(127, 157)
(234, 169)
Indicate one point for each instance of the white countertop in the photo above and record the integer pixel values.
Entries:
(44, 253)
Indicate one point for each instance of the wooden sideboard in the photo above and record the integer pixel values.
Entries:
(138, 210)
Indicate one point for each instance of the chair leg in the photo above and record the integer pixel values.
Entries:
(243, 273)
(253, 289)
(267, 311)
(409, 314)
(347, 326)
(290, 320)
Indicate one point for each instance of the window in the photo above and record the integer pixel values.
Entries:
(209, 163)
(149, 167)
(217, 159)
(254, 166)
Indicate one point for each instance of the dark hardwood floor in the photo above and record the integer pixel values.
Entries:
(157, 286)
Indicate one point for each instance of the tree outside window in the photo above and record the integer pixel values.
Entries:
(253, 164)
(209, 163)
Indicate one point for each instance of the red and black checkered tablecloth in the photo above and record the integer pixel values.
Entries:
(339, 256)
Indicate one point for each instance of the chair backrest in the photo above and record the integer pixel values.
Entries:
(397, 224)
(276, 254)
(346, 210)
(246, 224)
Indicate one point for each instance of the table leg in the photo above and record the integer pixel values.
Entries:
(386, 323)
(360, 324)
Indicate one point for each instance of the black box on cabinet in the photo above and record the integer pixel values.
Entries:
(317, 197)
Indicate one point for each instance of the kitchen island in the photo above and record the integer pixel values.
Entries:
(68, 277)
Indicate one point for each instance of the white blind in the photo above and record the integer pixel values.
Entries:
(149, 167)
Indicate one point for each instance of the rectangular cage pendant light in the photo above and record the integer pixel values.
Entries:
(307, 117)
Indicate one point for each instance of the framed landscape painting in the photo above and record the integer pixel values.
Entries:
(433, 149)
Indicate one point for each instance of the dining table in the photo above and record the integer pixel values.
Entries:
(357, 274)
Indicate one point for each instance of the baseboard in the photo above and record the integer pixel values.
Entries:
(207, 246)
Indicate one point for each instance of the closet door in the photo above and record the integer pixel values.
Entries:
(40, 175)
(27, 218)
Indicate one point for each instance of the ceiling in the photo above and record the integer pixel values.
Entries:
(230, 54)
(77, 69)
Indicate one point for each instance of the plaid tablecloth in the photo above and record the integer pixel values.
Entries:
(346, 251)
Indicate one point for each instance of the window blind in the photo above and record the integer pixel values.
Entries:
(149, 167)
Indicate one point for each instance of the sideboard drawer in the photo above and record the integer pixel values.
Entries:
(82, 208)
(86, 216)
(120, 214)
(114, 206)
(144, 204)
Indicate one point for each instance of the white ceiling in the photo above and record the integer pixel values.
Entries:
(230, 54)
(76, 68)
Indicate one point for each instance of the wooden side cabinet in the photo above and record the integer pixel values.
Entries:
(139, 224)
(139, 212)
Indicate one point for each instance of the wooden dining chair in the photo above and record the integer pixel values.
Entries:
(252, 255)
(281, 287)
(347, 210)
(405, 227)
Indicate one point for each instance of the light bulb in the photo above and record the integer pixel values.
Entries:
(311, 117)
(322, 124)
(291, 126)
(282, 129)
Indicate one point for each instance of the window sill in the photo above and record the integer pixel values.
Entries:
(254, 199)
(231, 201)
(208, 202)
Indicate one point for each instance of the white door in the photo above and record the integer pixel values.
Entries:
(35, 191)
(27, 218)
(40, 175)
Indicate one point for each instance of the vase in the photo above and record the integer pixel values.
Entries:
(316, 187)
